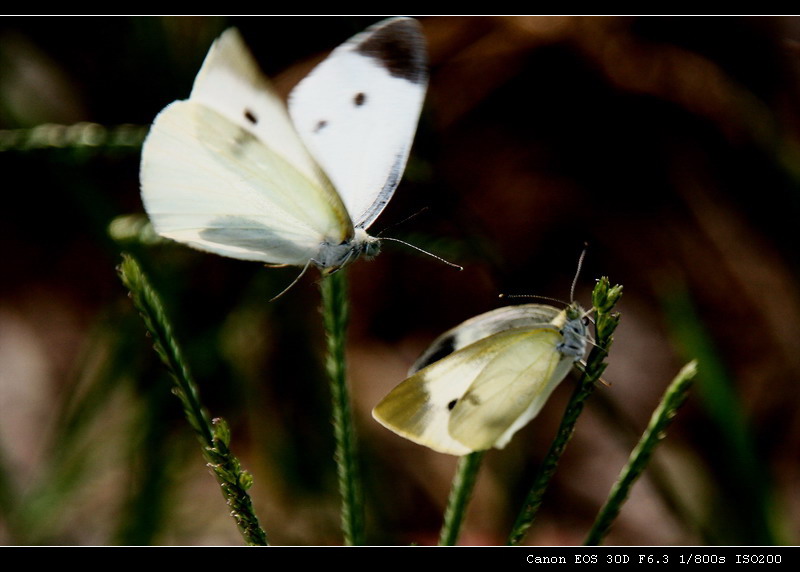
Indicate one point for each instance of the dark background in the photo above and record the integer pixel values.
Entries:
(668, 144)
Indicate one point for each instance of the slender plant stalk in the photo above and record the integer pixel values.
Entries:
(78, 135)
(628, 434)
(214, 435)
(672, 400)
(604, 297)
(335, 316)
(460, 493)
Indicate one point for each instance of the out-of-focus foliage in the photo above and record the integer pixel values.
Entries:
(669, 144)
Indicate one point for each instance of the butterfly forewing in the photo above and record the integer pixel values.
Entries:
(417, 409)
(420, 407)
(357, 112)
(231, 83)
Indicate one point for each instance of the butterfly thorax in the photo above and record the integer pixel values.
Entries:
(573, 332)
(332, 256)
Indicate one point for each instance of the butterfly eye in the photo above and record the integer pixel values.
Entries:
(372, 249)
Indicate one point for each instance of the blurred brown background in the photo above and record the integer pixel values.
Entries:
(669, 144)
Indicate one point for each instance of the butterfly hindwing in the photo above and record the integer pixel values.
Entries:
(483, 325)
(510, 389)
(226, 172)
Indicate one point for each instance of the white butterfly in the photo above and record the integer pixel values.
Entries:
(482, 381)
(229, 171)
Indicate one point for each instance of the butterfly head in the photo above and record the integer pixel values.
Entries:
(369, 246)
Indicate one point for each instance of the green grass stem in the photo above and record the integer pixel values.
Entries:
(460, 494)
(214, 435)
(604, 297)
(83, 135)
(639, 458)
(335, 316)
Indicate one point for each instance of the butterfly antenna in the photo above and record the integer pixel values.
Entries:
(533, 296)
(578, 271)
(405, 220)
(571, 290)
(295, 281)
(439, 258)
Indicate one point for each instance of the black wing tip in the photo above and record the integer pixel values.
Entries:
(399, 46)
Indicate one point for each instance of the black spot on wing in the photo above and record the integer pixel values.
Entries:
(452, 404)
(320, 125)
(400, 48)
(250, 116)
(359, 99)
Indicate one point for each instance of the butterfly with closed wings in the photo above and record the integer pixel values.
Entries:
(231, 171)
(480, 382)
